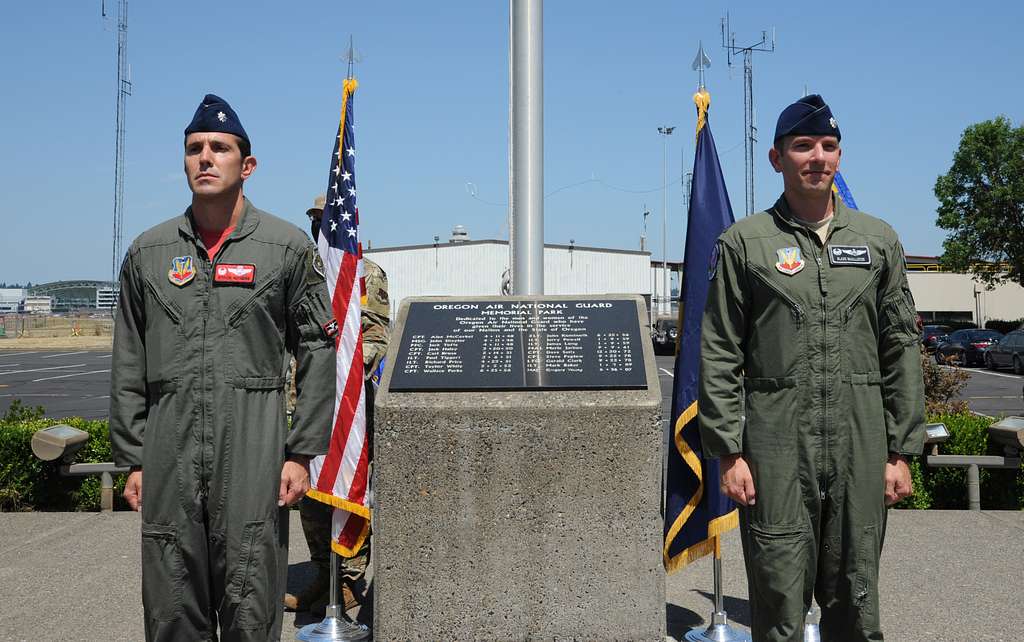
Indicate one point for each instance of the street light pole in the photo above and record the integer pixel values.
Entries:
(666, 306)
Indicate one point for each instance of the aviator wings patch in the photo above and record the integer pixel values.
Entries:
(839, 255)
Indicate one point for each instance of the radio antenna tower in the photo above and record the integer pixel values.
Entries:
(124, 89)
(750, 128)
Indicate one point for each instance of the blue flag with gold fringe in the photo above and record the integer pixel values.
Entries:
(696, 511)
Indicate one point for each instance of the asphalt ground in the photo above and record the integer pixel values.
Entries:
(77, 384)
(66, 384)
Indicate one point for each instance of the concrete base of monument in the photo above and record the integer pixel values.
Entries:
(519, 514)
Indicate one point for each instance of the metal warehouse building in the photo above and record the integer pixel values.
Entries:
(479, 268)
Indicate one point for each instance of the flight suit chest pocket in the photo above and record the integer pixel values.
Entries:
(165, 336)
(163, 572)
(254, 326)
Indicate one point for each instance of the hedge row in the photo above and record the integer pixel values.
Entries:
(26, 483)
(946, 488)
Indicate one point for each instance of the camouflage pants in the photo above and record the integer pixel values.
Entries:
(316, 524)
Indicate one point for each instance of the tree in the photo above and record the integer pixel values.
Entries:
(981, 203)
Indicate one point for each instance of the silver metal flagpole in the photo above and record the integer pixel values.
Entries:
(528, 146)
(335, 627)
(719, 629)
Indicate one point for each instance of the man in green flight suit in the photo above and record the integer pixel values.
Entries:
(210, 303)
(315, 515)
(810, 332)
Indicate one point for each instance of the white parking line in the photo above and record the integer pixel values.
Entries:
(667, 372)
(34, 394)
(77, 365)
(63, 354)
(989, 372)
(105, 356)
(13, 354)
(77, 374)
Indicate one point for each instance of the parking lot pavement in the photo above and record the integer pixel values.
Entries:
(994, 393)
(945, 575)
(77, 384)
(66, 384)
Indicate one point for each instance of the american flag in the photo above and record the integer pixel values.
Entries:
(340, 478)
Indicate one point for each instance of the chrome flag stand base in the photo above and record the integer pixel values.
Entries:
(719, 629)
(811, 631)
(335, 627)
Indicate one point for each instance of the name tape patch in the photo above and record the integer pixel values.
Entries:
(235, 273)
(839, 255)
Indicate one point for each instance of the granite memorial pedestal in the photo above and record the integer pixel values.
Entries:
(517, 472)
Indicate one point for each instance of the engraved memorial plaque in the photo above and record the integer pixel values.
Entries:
(520, 344)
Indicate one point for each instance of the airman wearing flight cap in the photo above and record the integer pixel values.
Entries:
(211, 303)
(811, 390)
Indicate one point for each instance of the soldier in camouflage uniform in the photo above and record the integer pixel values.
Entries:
(316, 516)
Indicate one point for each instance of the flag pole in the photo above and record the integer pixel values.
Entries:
(335, 627)
(719, 629)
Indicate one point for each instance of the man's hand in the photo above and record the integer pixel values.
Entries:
(294, 480)
(737, 482)
(133, 489)
(897, 480)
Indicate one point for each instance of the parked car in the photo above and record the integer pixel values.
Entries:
(664, 334)
(931, 335)
(1008, 353)
(966, 347)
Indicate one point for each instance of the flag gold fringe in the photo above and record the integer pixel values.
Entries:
(716, 527)
(351, 552)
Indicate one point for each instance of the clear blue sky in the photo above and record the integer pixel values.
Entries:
(903, 78)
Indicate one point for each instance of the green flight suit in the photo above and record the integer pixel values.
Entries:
(198, 401)
(817, 345)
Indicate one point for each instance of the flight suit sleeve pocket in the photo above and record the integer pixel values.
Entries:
(316, 325)
(163, 575)
(251, 581)
(901, 318)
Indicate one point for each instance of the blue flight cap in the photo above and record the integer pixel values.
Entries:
(214, 114)
(809, 116)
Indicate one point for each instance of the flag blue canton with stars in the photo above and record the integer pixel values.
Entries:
(340, 221)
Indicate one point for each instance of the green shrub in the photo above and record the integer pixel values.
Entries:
(922, 497)
(947, 487)
(26, 483)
